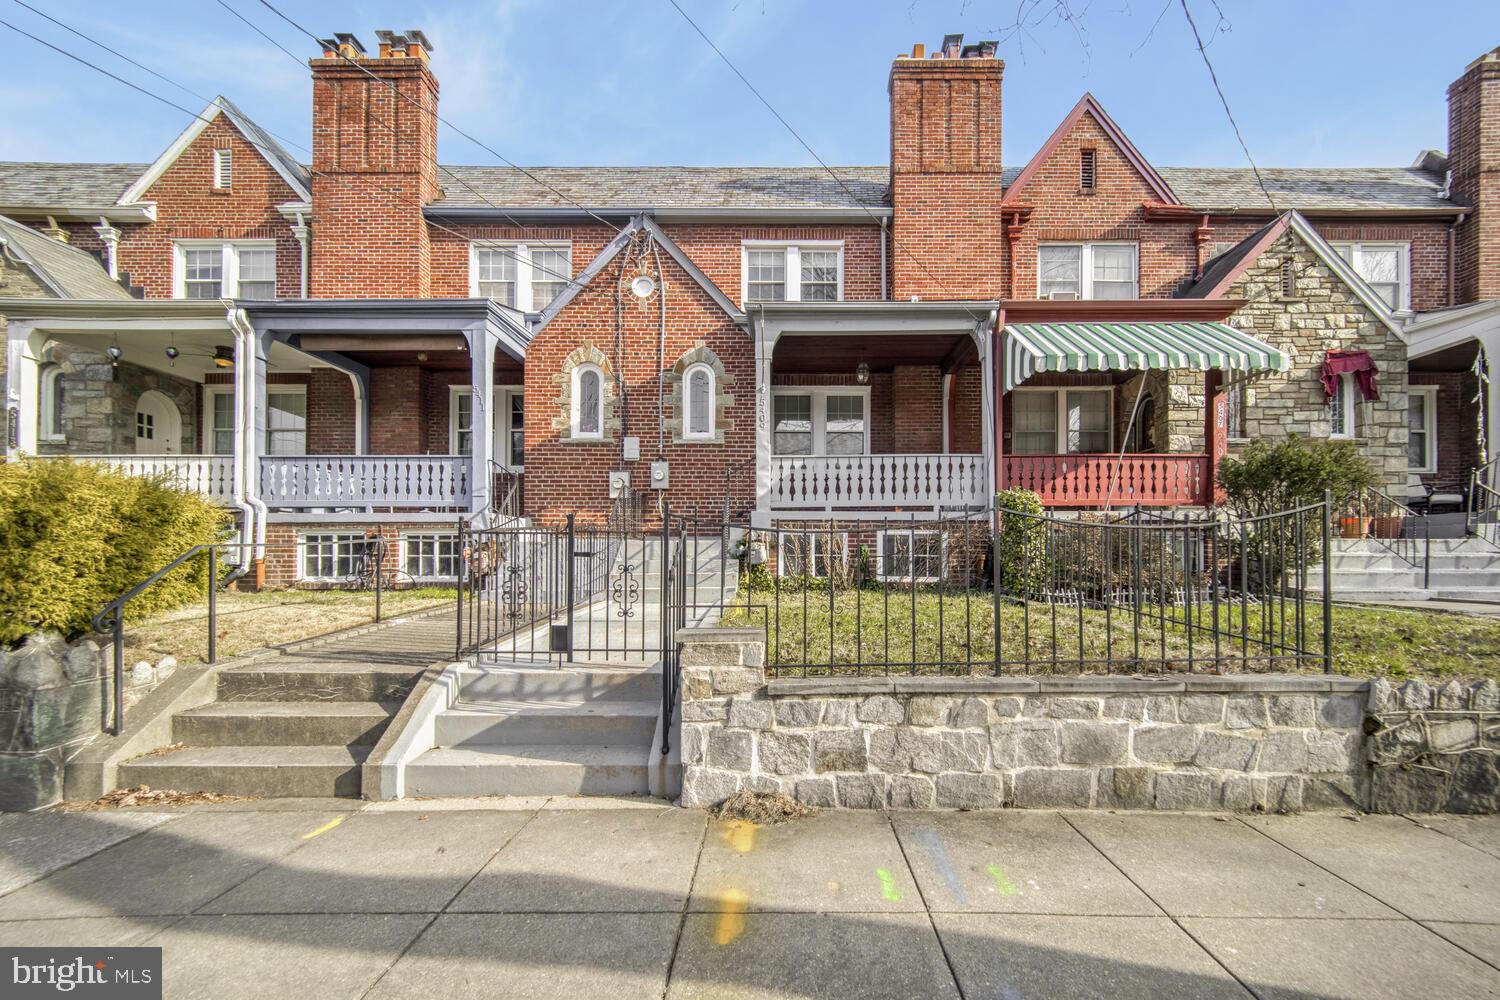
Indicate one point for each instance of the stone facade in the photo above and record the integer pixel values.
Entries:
(1322, 316)
(1198, 742)
(99, 401)
(1433, 748)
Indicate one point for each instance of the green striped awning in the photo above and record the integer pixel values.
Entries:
(1090, 347)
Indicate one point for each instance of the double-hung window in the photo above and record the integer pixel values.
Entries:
(1421, 429)
(806, 553)
(509, 430)
(1087, 271)
(819, 422)
(215, 270)
(286, 421)
(1341, 409)
(910, 556)
(1386, 268)
(218, 420)
(792, 272)
(1061, 421)
(430, 556)
(523, 275)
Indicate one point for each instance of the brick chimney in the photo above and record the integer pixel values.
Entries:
(1474, 162)
(374, 134)
(945, 172)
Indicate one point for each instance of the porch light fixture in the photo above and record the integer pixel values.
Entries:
(223, 357)
(862, 373)
(115, 353)
(172, 352)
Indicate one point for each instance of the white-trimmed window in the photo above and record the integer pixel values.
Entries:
(830, 421)
(805, 553)
(1087, 271)
(698, 403)
(223, 168)
(910, 556)
(460, 420)
(524, 276)
(1061, 421)
(1421, 428)
(1341, 413)
(330, 556)
(218, 419)
(792, 272)
(50, 407)
(286, 420)
(209, 269)
(430, 556)
(510, 424)
(1386, 268)
(588, 402)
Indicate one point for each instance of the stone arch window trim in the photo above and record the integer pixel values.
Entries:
(50, 397)
(582, 359)
(586, 414)
(721, 383)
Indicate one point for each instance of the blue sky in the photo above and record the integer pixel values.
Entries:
(1312, 82)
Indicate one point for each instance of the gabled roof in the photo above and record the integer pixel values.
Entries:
(612, 250)
(280, 160)
(68, 272)
(1087, 105)
(1224, 270)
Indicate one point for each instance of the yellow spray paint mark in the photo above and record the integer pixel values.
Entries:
(324, 828)
(732, 918)
(1001, 882)
(888, 885)
(740, 835)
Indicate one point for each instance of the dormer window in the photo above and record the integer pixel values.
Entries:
(1087, 169)
(223, 168)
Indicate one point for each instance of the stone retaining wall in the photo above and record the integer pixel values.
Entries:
(1243, 742)
(1434, 748)
(55, 697)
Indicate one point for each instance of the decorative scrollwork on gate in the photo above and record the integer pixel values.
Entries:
(625, 590)
(514, 592)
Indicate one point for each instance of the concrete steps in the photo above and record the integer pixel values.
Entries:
(578, 729)
(1457, 569)
(262, 771)
(284, 723)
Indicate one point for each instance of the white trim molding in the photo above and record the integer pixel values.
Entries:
(792, 263)
(1428, 395)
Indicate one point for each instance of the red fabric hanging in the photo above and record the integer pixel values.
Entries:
(1356, 363)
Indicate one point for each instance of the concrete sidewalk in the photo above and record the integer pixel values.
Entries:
(577, 898)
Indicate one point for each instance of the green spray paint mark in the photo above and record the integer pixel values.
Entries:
(1001, 882)
(888, 886)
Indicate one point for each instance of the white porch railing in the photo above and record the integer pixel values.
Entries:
(365, 480)
(838, 481)
(211, 475)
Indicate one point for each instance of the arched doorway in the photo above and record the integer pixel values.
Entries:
(158, 425)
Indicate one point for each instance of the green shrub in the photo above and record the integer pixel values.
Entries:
(76, 535)
(1292, 473)
(1023, 541)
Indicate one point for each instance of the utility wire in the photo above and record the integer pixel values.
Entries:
(113, 52)
(1203, 51)
(249, 139)
(256, 28)
(437, 117)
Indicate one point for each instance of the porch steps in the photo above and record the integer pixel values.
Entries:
(293, 726)
(1460, 569)
(578, 729)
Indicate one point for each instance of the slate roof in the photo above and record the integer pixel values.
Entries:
(66, 183)
(665, 187)
(71, 273)
(1222, 188)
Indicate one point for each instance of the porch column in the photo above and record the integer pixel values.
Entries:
(995, 383)
(484, 340)
(1215, 431)
(1489, 342)
(22, 389)
(765, 346)
(251, 348)
(989, 412)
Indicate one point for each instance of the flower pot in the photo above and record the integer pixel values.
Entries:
(1386, 527)
(1351, 526)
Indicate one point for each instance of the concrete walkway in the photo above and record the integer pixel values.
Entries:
(566, 898)
(415, 640)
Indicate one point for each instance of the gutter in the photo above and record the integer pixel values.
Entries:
(133, 214)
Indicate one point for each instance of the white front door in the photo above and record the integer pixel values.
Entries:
(158, 425)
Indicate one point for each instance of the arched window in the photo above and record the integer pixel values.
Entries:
(698, 402)
(588, 401)
(51, 401)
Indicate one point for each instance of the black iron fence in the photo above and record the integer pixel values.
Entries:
(1018, 593)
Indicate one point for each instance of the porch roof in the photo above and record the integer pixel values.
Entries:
(1031, 348)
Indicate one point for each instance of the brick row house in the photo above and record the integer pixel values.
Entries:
(379, 342)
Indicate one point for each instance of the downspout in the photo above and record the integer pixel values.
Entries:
(1452, 263)
(244, 378)
(884, 295)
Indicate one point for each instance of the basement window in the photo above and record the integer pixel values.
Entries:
(328, 557)
(910, 556)
(223, 168)
(430, 557)
(1087, 169)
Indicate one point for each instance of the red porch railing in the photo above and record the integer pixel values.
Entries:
(1084, 480)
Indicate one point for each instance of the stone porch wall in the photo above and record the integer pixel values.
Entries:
(1244, 742)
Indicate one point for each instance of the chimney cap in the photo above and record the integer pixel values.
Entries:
(350, 39)
(420, 37)
(952, 45)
